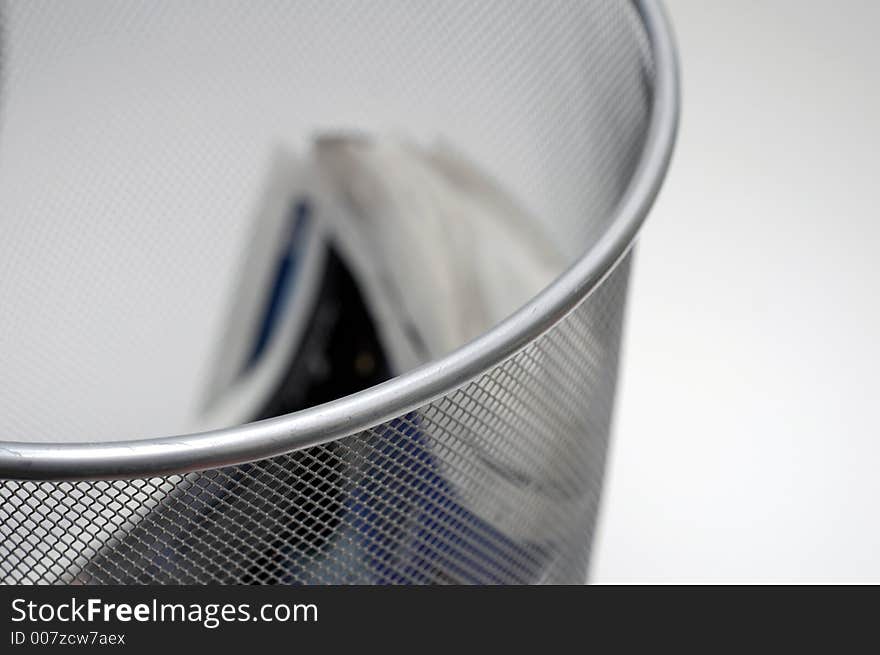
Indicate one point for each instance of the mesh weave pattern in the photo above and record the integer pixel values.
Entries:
(496, 482)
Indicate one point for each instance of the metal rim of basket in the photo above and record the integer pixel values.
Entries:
(406, 392)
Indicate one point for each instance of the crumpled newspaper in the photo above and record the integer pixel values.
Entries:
(443, 254)
(443, 251)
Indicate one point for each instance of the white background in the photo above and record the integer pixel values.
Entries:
(746, 444)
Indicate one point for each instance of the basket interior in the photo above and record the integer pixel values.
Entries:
(135, 140)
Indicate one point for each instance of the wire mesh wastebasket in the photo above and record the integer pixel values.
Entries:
(484, 466)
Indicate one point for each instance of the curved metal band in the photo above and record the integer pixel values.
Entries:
(351, 414)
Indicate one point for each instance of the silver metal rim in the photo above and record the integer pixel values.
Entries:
(359, 411)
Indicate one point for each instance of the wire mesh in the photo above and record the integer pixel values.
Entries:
(495, 482)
